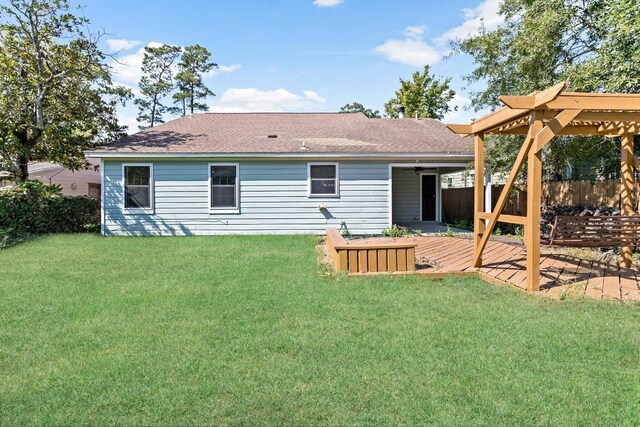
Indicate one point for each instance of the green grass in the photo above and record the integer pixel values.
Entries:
(245, 331)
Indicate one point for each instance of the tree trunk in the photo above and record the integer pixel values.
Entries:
(191, 95)
(153, 113)
(22, 174)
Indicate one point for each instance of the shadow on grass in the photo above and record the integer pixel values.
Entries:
(9, 240)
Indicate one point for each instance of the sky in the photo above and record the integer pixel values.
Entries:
(297, 55)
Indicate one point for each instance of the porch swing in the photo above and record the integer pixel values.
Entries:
(607, 231)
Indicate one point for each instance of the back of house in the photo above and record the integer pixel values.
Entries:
(277, 173)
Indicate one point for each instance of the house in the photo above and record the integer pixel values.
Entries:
(284, 173)
(466, 178)
(85, 182)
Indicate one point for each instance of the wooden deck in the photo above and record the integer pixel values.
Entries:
(504, 263)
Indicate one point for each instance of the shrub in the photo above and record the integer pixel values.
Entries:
(395, 231)
(35, 208)
(463, 224)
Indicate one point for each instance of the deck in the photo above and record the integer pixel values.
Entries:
(504, 263)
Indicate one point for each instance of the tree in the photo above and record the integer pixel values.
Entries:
(591, 43)
(195, 62)
(423, 96)
(356, 107)
(56, 95)
(155, 84)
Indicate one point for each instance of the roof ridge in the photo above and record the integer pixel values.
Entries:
(282, 112)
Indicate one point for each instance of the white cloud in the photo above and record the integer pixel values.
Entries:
(313, 97)
(411, 51)
(415, 31)
(116, 45)
(223, 69)
(128, 68)
(461, 115)
(486, 13)
(239, 100)
(229, 68)
(327, 3)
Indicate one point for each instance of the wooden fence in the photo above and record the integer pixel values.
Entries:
(586, 193)
(457, 203)
(371, 256)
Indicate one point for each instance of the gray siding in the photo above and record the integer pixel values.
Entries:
(273, 200)
(406, 196)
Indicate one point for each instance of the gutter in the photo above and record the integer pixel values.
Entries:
(369, 156)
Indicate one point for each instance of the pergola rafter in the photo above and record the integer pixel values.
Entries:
(541, 116)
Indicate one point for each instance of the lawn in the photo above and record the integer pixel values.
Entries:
(246, 331)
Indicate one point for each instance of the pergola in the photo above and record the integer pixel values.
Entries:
(541, 116)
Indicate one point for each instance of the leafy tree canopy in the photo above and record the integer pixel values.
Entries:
(594, 44)
(356, 107)
(56, 95)
(423, 96)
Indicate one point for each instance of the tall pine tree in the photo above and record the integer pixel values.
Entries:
(194, 64)
(155, 84)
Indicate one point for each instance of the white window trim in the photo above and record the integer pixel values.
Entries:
(224, 210)
(137, 211)
(323, 196)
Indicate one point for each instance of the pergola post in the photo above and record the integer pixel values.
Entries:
(534, 198)
(478, 197)
(626, 195)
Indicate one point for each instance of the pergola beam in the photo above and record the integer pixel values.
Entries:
(571, 129)
(501, 116)
(579, 101)
(609, 116)
(462, 130)
(534, 100)
(554, 127)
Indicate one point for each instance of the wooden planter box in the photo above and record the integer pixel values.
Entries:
(363, 257)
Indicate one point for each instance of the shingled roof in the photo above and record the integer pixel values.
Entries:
(264, 133)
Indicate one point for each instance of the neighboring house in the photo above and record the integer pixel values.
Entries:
(73, 183)
(283, 173)
(5, 178)
(466, 178)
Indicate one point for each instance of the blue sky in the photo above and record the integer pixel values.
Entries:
(297, 55)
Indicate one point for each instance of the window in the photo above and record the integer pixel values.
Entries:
(323, 180)
(223, 179)
(138, 187)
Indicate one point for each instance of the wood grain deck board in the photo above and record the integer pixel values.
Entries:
(506, 263)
